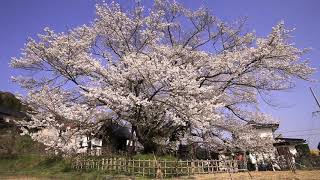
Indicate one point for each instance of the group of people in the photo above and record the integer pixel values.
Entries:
(257, 165)
(253, 162)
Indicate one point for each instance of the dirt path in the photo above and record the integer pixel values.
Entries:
(262, 175)
(265, 175)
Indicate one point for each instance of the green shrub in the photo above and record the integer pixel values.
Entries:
(151, 157)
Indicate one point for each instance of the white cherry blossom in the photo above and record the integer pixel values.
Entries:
(167, 71)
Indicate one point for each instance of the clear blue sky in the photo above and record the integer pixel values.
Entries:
(20, 19)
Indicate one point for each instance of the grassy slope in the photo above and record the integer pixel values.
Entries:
(42, 167)
(51, 167)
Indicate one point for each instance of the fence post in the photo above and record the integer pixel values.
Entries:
(109, 164)
(130, 166)
(133, 171)
(192, 166)
(112, 166)
(149, 167)
(188, 170)
(165, 168)
(202, 170)
(143, 166)
(139, 166)
(177, 168)
(155, 168)
(98, 164)
(119, 163)
(116, 164)
(87, 164)
(74, 165)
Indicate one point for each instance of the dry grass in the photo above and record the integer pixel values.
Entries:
(262, 175)
(24, 178)
(315, 152)
(267, 175)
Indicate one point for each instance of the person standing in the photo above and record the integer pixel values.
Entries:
(253, 161)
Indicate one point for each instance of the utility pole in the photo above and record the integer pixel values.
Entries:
(316, 99)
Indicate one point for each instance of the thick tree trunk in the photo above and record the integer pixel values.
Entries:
(148, 145)
(12, 143)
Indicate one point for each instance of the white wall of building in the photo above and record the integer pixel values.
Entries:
(265, 132)
(293, 150)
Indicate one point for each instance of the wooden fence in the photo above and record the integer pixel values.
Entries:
(154, 167)
(101, 151)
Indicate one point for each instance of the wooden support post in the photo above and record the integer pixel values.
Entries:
(106, 164)
(202, 169)
(155, 164)
(165, 168)
(139, 166)
(188, 170)
(143, 166)
(149, 167)
(192, 167)
(217, 164)
(110, 164)
(176, 168)
(117, 167)
(133, 171)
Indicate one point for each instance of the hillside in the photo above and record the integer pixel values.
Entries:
(11, 143)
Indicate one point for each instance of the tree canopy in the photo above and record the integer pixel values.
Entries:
(173, 74)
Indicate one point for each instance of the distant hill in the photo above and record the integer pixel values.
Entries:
(11, 143)
(9, 101)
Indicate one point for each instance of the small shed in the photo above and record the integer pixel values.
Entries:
(288, 145)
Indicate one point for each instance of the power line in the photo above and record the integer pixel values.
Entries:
(302, 130)
(304, 135)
